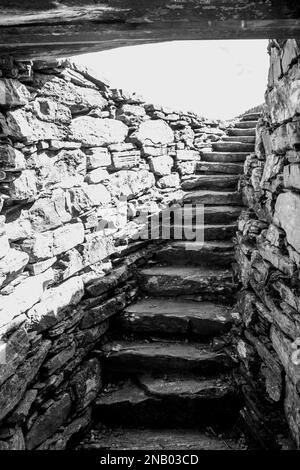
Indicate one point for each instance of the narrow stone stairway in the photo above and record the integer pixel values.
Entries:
(168, 369)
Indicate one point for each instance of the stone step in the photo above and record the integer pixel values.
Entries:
(217, 253)
(251, 117)
(212, 214)
(175, 317)
(219, 167)
(136, 357)
(241, 132)
(246, 125)
(246, 139)
(214, 198)
(223, 157)
(155, 439)
(165, 281)
(159, 401)
(211, 182)
(232, 147)
(202, 232)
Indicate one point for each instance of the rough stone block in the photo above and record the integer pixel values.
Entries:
(13, 93)
(155, 132)
(161, 166)
(286, 216)
(94, 132)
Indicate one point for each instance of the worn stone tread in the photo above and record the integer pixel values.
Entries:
(224, 157)
(163, 280)
(246, 139)
(235, 131)
(211, 182)
(219, 167)
(206, 231)
(141, 356)
(218, 253)
(211, 214)
(246, 125)
(213, 198)
(232, 147)
(168, 316)
(251, 116)
(155, 439)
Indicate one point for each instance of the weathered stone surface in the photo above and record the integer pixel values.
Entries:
(59, 440)
(22, 411)
(15, 442)
(169, 181)
(153, 133)
(77, 98)
(23, 187)
(11, 265)
(13, 93)
(4, 245)
(287, 216)
(14, 388)
(46, 424)
(96, 176)
(24, 126)
(56, 362)
(48, 244)
(99, 314)
(161, 166)
(49, 310)
(97, 157)
(16, 348)
(96, 248)
(126, 160)
(291, 176)
(93, 132)
(24, 296)
(10, 157)
(86, 383)
(187, 155)
(130, 183)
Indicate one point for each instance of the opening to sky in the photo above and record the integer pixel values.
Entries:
(216, 79)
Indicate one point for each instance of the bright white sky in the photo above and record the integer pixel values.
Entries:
(216, 79)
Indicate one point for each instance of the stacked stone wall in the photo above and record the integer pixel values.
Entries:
(80, 163)
(268, 257)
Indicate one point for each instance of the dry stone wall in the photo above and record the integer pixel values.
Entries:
(80, 162)
(268, 257)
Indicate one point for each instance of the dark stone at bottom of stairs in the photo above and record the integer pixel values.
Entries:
(159, 401)
(159, 439)
(177, 317)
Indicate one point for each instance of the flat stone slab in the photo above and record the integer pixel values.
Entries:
(214, 198)
(219, 167)
(224, 157)
(218, 253)
(246, 125)
(155, 439)
(141, 356)
(212, 182)
(232, 147)
(172, 280)
(207, 231)
(251, 117)
(166, 316)
(246, 139)
(212, 214)
(235, 131)
(189, 387)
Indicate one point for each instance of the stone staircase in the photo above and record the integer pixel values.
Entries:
(168, 367)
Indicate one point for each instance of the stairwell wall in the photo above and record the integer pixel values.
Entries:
(268, 258)
(80, 162)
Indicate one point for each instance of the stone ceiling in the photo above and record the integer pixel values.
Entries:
(43, 28)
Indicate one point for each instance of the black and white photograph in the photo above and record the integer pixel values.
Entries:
(149, 230)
